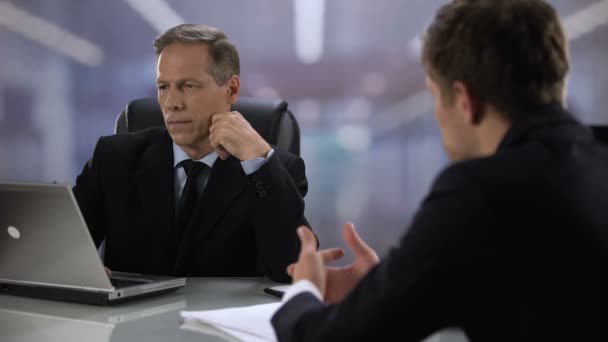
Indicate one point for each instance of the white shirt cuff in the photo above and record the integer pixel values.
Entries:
(252, 165)
(301, 286)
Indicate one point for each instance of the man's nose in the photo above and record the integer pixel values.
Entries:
(173, 100)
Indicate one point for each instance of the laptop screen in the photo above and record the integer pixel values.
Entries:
(44, 239)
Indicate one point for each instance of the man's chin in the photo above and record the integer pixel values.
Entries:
(180, 139)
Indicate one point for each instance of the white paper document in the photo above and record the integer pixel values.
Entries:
(249, 323)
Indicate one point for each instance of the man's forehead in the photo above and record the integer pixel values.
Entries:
(186, 49)
(183, 55)
(182, 68)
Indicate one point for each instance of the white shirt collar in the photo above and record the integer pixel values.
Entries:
(179, 155)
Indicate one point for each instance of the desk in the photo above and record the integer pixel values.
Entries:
(150, 319)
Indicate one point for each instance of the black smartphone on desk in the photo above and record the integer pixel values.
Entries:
(275, 293)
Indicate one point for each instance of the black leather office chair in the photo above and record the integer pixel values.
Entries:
(271, 118)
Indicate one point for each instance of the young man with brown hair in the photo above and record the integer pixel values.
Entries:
(511, 244)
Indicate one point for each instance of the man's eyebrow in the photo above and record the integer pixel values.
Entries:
(190, 79)
(181, 81)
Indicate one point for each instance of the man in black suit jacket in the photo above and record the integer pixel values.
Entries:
(511, 244)
(249, 195)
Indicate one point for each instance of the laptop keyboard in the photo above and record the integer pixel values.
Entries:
(120, 282)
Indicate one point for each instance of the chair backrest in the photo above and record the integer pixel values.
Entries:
(271, 118)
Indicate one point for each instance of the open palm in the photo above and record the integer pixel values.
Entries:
(339, 281)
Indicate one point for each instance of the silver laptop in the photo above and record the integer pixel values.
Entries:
(46, 251)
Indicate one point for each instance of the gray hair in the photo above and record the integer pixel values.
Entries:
(224, 60)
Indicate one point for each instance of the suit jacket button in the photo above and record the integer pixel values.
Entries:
(262, 193)
(259, 185)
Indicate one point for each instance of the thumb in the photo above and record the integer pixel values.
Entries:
(290, 269)
(307, 240)
(355, 243)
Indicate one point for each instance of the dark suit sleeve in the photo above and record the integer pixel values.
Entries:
(420, 287)
(89, 195)
(276, 193)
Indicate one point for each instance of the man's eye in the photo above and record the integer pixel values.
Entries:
(189, 86)
(162, 87)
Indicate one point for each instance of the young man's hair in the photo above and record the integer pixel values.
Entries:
(511, 54)
(224, 58)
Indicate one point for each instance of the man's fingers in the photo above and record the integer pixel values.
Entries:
(222, 153)
(225, 116)
(354, 241)
(307, 239)
(216, 140)
(217, 116)
(331, 254)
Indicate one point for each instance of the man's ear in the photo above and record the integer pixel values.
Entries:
(233, 89)
(468, 105)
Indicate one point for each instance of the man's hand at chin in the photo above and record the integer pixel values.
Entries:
(231, 134)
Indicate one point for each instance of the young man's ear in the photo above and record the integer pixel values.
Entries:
(233, 89)
(471, 108)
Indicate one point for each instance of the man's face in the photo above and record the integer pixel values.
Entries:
(457, 134)
(188, 95)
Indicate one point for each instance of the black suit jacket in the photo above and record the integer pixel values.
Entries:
(242, 226)
(512, 247)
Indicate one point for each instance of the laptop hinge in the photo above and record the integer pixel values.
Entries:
(71, 287)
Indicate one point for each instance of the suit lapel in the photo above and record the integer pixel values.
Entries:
(226, 181)
(154, 179)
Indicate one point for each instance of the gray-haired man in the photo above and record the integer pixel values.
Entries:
(184, 199)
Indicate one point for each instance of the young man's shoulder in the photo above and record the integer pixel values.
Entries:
(525, 167)
(505, 170)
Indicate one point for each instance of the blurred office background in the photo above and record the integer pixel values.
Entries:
(348, 68)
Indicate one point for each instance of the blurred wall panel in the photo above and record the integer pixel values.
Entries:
(369, 137)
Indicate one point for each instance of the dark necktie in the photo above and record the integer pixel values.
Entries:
(187, 201)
